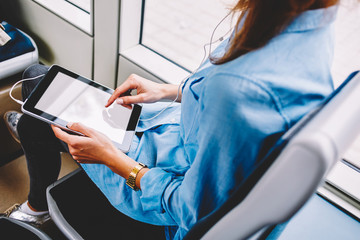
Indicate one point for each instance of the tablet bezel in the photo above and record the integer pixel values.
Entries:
(29, 105)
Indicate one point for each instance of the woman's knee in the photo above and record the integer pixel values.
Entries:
(32, 130)
(35, 71)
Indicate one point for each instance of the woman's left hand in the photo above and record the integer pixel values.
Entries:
(93, 147)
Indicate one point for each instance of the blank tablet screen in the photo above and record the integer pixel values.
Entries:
(75, 101)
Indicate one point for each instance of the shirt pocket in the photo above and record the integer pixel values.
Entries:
(195, 87)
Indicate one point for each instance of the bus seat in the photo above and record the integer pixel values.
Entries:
(14, 229)
(81, 211)
(286, 178)
(19, 53)
(12, 64)
(292, 171)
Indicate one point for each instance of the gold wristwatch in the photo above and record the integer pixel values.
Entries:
(131, 181)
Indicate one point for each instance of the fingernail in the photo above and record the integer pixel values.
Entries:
(69, 124)
(119, 101)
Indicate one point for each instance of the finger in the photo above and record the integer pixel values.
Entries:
(81, 128)
(62, 135)
(121, 102)
(77, 158)
(80, 158)
(83, 159)
(127, 100)
(78, 153)
(122, 89)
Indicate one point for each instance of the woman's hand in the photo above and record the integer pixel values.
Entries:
(95, 147)
(147, 91)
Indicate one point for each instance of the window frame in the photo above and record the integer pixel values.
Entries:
(341, 186)
(133, 53)
(67, 10)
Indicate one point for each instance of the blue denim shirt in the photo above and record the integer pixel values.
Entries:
(231, 114)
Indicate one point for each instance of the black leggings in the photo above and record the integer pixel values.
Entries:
(41, 147)
(42, 151)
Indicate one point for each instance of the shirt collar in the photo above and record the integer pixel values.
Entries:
(313, 19)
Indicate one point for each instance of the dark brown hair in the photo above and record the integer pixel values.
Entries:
(263, 20)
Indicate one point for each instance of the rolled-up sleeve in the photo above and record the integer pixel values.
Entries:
(153, 185)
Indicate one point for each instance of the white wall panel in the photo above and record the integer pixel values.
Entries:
(59, 41)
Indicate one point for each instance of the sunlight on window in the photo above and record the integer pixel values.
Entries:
(178, 30)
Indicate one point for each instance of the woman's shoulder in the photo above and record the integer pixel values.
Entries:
(237, 89)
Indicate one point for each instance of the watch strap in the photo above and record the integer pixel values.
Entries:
(131, 181)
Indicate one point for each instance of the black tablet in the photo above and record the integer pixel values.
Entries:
(63, 96)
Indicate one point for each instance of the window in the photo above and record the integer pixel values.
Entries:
(77, 12)
(162, 38)
(347, 50)
(342, 183)
(178, 30)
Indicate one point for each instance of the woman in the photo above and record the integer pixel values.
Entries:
(257, 84)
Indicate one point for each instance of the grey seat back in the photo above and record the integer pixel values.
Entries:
(292, 171)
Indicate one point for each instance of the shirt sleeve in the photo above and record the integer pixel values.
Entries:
(239, 119)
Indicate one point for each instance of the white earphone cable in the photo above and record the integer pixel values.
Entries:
(23, 80)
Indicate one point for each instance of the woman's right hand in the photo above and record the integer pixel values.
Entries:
(147, 91)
